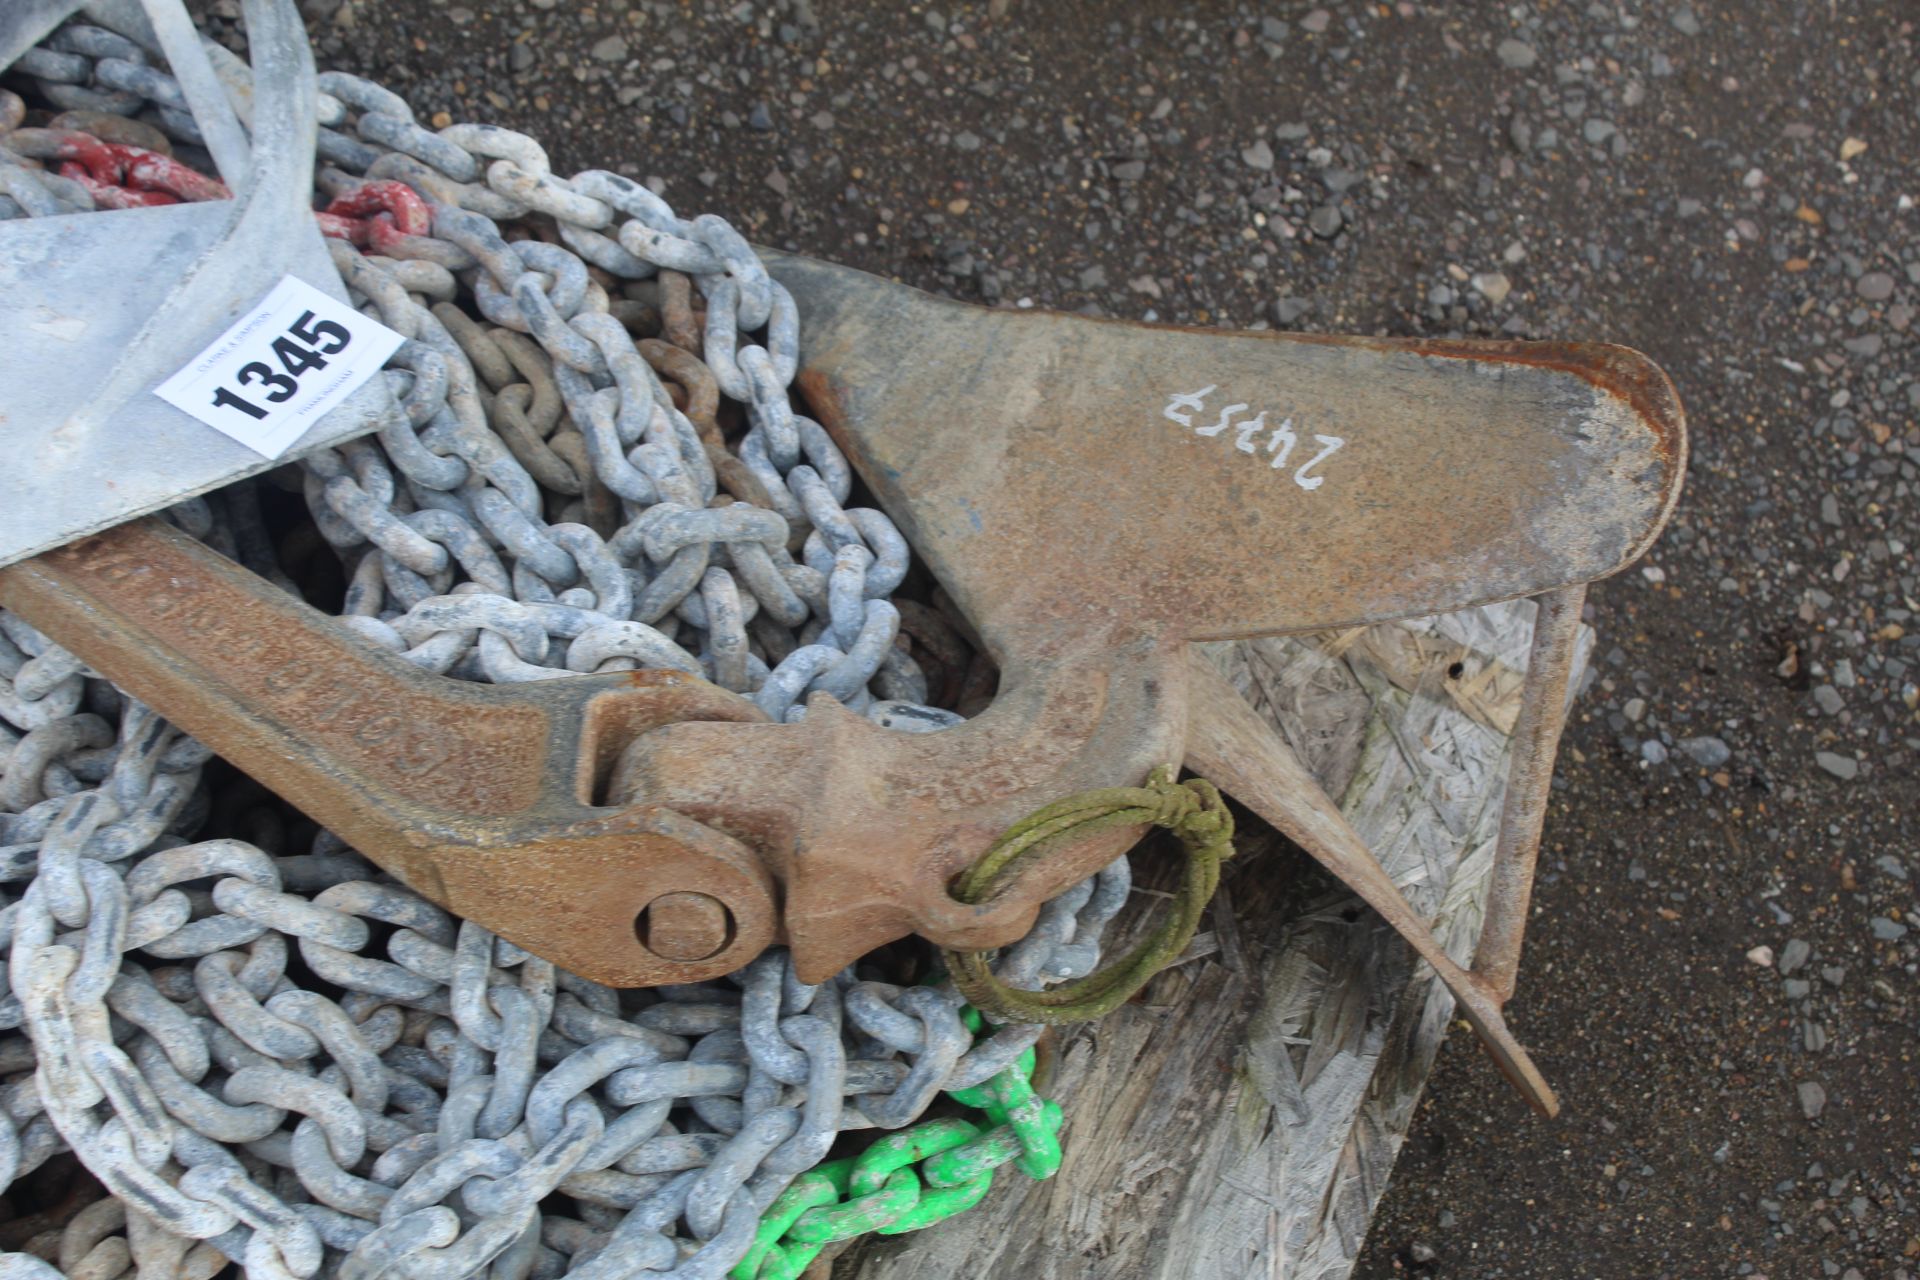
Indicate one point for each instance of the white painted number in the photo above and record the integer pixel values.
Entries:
(1185, 400)
(1226, 416)
(1182, 405)
(1330, 445)
(1281, 443)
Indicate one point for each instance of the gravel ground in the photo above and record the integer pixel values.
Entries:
(1721, 980)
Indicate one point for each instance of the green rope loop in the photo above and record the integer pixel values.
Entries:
(1192, 810)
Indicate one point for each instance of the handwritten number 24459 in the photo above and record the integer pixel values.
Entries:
(322, 338)
(1279, 442)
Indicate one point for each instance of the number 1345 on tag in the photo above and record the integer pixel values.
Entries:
(277, 370)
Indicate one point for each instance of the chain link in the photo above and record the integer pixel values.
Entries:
(275, 1054)
(881, 1191)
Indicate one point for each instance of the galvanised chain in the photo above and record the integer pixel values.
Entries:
(409, 1095)
(880, 1191)
(444, 523)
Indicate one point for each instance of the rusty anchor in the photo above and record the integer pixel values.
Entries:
(1094, 495)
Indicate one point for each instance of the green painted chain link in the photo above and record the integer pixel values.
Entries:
(882, 1191)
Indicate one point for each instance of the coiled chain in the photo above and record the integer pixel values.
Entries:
(276, 1054)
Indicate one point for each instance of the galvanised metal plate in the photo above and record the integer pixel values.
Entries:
(79, 290)
(99, 308)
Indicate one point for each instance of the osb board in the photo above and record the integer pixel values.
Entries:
(1240, 1119)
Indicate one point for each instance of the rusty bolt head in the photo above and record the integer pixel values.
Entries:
(684, 926)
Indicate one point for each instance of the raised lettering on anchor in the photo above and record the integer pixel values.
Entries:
(291, 675)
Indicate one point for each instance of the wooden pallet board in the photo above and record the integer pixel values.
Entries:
(1240, 1119)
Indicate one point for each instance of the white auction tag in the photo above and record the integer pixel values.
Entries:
(280, 367)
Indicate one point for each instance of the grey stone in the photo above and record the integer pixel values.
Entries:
(1866, 345)
(1686, 22)
(1875, 286)
(1833, 974)
(1325, 221)
(1517, 54)
(1258, 156)
(1845, 768)
(1316, 21)
(1796, 988)
(610, 49)
(1828, 699)
(1795, 954)
(1708, 753)
(1653, 751)
(1493, 286)
(967, 141)
(1130, 170)
(1813, 1098)
(1888, 865)
(1597, 130)
(1885, 930)
(1287, 310)
(1635, 709)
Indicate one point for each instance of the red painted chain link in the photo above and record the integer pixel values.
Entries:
(124, 177)
(376, 215)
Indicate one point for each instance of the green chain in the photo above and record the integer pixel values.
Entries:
(882, 1191)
